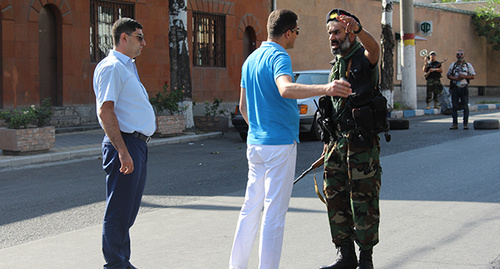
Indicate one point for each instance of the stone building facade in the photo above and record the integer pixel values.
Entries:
(47, 49)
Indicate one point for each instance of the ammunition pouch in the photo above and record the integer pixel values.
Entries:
(371, 119)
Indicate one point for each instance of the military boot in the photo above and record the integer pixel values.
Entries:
(365, 259)
(347, 258)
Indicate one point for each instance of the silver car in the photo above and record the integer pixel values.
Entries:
(306, 106)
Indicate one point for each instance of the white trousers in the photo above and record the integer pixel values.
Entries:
(270, 181)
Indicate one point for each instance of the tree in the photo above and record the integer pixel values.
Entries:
(387, 65)
(486, 21)
(180, 72)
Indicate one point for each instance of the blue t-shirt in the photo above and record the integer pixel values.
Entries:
(274, 120)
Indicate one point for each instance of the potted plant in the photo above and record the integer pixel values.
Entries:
(168, 110)
(215, 118)
(27, 130)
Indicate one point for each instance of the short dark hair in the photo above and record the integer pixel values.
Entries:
(123, 25)
(280, 21)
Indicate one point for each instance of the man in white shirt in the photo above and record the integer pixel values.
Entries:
(128, 121)
(459, 74)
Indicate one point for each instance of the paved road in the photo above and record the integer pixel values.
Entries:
(440, 205)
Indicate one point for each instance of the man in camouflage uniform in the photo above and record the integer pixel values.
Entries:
(352, 169)
(432, 69)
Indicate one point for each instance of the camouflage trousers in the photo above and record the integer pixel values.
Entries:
(352, 182)
(434, 87)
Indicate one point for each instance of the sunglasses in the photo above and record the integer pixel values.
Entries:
(460, 54)
(139, 37)
(295, 30)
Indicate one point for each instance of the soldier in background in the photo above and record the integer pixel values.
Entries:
(432, 69)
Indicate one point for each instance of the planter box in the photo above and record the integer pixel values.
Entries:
(211, 124)
(171, 124)
(26, 141)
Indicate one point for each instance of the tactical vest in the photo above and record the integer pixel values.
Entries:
(364, 113)
(364, 85)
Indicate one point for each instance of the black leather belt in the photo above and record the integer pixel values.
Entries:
(142, 137)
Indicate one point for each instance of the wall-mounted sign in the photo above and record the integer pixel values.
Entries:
(426, 28)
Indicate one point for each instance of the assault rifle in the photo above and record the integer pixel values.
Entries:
(319, 162)
(428, 72)
(322, 120)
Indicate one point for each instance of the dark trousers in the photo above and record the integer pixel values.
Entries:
(460, 95)
(123, 198)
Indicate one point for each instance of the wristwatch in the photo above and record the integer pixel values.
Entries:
(359, 29)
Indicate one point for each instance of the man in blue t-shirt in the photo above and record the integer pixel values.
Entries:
(268, 104)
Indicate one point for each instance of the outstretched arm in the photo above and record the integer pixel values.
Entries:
(372, 48)
(289, 89)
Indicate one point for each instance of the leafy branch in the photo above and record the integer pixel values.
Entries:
(486, 21)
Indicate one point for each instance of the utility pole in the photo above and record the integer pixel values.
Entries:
(409, 78)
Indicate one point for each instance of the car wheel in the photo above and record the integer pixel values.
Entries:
(399, 124)
(243, 136)
(315, 132)
(486, 124)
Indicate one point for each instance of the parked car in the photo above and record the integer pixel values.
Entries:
(306, 106)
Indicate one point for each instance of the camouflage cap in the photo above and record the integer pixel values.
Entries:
(332, 15)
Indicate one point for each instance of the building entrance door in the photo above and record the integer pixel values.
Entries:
(50, 82)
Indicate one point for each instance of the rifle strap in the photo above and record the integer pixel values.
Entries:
(317, 190)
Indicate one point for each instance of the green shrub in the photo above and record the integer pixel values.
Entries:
(22, 118)
(213, 109)
(169, 101)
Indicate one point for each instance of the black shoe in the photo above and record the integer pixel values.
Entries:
(365, 259)
(347, 258)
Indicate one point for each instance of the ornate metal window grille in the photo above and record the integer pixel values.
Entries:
(209, 40)
(103, 13)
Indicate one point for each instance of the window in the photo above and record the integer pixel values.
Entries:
(103, 14)
(209, 40)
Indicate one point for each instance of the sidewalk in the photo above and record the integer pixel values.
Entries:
(475, 104)
(76, 145)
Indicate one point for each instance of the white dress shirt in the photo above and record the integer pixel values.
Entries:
(116, 79)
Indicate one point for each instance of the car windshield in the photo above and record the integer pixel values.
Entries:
(311, 78)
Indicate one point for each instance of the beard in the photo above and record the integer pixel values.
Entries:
(343, 48)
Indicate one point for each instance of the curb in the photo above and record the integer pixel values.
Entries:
(94, 150)
(420, 112)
